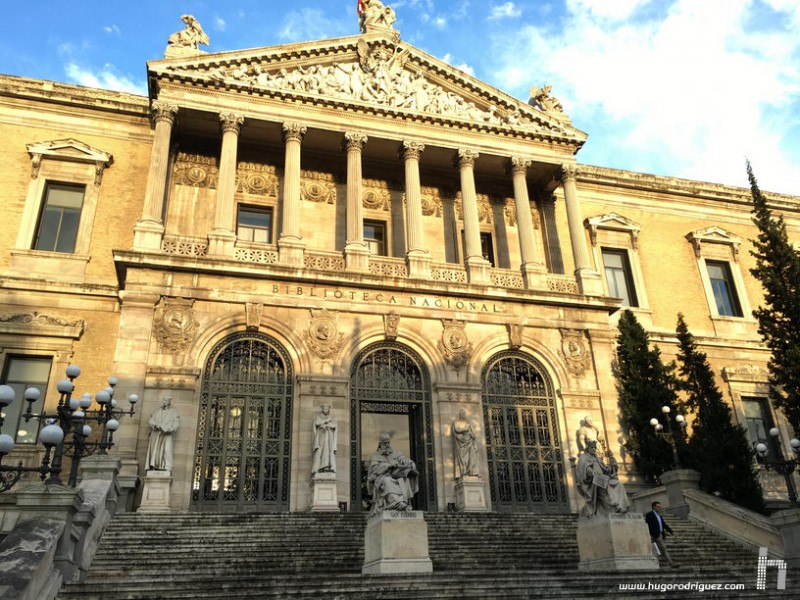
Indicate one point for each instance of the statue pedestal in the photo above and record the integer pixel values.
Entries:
(396, 542)
(619, 542)
(470, 495)
(324, 496)
(155, 492)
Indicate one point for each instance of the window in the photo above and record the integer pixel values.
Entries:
(725, 296)
(618, 276)
(487, 247)
(758, 423)
(57, 229)
(22, 373)
(254, 224)
(375, 236)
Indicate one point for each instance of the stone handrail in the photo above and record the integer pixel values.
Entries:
(388, 267)
(184, 245)
(507, 278)
(734, 522)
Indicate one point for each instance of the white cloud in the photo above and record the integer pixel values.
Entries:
(112, 30)
(610, 9)
(509, 9)
(448, 58)
(105, 78)
(312, 24)
(219, 24)
(688, 93)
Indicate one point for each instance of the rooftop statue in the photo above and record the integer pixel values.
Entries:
(187, 40)
(543, 99)
(373, 14)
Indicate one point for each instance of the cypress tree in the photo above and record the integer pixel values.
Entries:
(645, 385)
(778, 270)
(718, 449)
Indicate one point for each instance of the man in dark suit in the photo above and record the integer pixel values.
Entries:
(659, 529)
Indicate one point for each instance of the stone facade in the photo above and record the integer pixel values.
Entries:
(404, 213)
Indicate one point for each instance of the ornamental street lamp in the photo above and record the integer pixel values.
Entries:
(781, 464)
(65, 429)
(668, 434)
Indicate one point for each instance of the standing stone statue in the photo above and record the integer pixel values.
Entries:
(587, 432)
(324, 442)
(464, 447)
(163, 425)
(375, 14)
(392, 479)
(599, 485)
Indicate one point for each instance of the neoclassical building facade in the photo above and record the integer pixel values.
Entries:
(352, 222)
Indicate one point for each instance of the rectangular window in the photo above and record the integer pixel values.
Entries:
(758, 423)
(61, 214)
(375, 236)
(725, 297)
(487, 247)
(254, 224)
(22, 373)
(618, 276)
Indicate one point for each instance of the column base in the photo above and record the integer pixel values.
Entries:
(356, 257)
(478, 270)
(324, 495)
(619, 542)
(155, 492)
(396, 543)
(291, 251)
(147, 235)
(419, 264)
(590, 282)
(675, 482)
(471, 495)
(221, 243)
(534, 276)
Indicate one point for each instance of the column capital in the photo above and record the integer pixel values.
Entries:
(411, 150)
(465, 158)
(293, 131)
(164, 111)
(354, 141)
(230, 122)
(517, 164)
(569, 172)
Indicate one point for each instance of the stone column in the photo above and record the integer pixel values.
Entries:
(222, 238)
(417, 257)
(477, 266)
(588, 279)
(150, 228)
(290, 243)
(534, 271)
(356, 253)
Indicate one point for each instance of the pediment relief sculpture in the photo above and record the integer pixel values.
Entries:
(70, 150)
(615, 222)
(714, 235)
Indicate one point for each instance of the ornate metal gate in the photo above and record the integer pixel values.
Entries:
(244, 427)
(390, 379)
(526, 463)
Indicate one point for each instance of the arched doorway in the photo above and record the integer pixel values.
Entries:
(244, 427)
(523, 444)
(390, 391)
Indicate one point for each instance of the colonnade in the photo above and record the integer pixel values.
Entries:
(150, 228)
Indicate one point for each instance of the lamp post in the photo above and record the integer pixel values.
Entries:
(668, 435)
(66, 427)
(781, 464)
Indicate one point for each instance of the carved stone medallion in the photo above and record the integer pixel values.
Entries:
(454, 345)
(575, 352)
(175, 326)
(323, 336)
(390, 324)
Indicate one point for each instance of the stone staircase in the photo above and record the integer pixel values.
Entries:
(313, 555)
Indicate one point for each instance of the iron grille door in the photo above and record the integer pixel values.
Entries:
(242, 459)
(523, 445)
(390, 378)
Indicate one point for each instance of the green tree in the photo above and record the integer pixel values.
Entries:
(718, 449)
(778, 270)
(645, 385)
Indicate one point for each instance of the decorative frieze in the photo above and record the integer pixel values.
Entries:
(507, 278)
(36, 323)
(256, 255)
(450, 274)
(562, 284)
(257, 179)
(375, 194)
(175, 326)
(318, 187)
(195, 170)
(388, 267)
(323, 261)
(185, 246)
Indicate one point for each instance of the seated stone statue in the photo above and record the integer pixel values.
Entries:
(392, 479)
(599, 485)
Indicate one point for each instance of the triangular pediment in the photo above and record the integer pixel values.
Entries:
(70, 149)
(367, 73)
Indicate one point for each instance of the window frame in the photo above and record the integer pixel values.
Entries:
(731, 294)
(51, 186)
(627, 275)
(383, 244)
(253, 208)
(19, 405)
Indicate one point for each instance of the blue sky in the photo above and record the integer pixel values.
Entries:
(687, 88)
